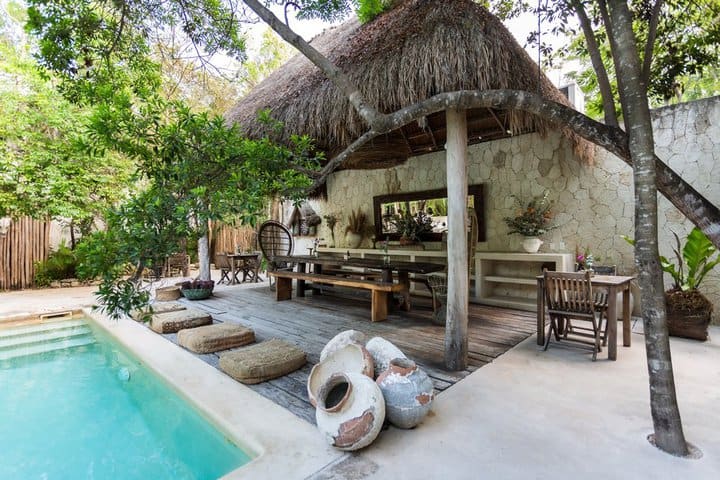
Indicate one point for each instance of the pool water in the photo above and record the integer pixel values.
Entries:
(94, 412)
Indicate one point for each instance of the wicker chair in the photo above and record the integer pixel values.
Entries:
(569, 298)
(275, 239)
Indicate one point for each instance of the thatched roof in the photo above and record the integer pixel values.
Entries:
(416, 50)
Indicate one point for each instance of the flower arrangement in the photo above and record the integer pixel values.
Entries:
(413, 227)
(585, 260)
(357, 222)
(533, 218)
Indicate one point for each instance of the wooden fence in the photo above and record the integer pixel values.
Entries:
(226, 238)
(27, 241)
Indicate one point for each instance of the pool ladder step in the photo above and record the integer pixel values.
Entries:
(43, 337)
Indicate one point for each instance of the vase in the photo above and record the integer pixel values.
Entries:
(382, 352)
(408, 393)
(531, 244)
(341, 340)
(351, 358)
(353, 239)
(350, 411)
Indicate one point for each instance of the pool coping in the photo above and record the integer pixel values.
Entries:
(281, 444)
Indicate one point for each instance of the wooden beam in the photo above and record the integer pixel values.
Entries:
(456, 327)
(502, 126)
(407, 142)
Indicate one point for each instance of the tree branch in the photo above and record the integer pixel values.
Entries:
(652, 33)
(606, 94)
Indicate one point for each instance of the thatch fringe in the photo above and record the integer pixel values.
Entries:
(418, 49)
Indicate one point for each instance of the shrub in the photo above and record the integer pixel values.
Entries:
(60, 264)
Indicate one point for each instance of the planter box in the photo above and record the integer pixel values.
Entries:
(688, 324)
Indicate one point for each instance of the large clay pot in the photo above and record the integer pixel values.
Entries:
(350, 411)
(340, 340)
(408, 393)
(382, 352)
(352, 358)
(531, 244)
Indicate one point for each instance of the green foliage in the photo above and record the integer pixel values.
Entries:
(369, 9)
(122, 297)
(411, 226)
(695, 257)
(60, 264)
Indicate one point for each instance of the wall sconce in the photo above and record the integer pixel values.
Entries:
(4, 226)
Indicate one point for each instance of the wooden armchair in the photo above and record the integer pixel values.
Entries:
(571, 308)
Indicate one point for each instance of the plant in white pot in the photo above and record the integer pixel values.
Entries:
(532, 220)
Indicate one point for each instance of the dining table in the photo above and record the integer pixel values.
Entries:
(389, 269)
(248, 263)
(613, 284)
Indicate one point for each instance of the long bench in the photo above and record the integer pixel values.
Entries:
(380, 290)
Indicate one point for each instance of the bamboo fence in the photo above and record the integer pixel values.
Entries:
(227, 238)
(26, 242)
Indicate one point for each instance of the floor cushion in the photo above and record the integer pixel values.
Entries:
(263, 361)
(171, 322)
(213, 338)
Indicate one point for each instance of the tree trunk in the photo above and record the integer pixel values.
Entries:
(204, 257)
(456, 339)
(663, 402)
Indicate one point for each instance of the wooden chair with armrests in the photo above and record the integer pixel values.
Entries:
(571, 308)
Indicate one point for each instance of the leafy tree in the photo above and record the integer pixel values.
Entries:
(47, 168)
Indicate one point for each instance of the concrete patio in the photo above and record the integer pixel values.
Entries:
(529, 414)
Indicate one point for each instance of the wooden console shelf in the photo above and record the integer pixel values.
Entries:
(508, 279)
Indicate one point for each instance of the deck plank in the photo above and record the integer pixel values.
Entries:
(310, 321)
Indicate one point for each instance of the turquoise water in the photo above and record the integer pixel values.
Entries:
(75, 414)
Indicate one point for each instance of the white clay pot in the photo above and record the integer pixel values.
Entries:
(350, 411)
(382, 352)
(340, 340)
(408, 393)
(353, 239)
(531, 244)
(352, 358)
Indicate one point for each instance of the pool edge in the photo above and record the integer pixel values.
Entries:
(281, 445)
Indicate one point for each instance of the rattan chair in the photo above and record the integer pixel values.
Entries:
(571, 308)
(275, 239)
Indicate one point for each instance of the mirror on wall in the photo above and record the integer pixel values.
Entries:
(432, 203)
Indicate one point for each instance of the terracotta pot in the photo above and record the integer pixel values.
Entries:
(340, 340)
(382, 352)
(352, 358)
(408, 393)
(350, 411)
(531, 244)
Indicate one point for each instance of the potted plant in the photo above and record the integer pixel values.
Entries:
(688, 311)
(356, 228)
(532, 221)
(197, 289)
(412, 227)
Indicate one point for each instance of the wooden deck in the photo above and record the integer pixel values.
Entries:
(311, 321)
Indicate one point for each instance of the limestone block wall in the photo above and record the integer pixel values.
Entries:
(593, 205)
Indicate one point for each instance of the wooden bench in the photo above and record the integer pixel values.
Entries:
(379, 290)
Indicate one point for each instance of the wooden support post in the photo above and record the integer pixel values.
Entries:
(456, 336)
(379, 306)
(283, 288)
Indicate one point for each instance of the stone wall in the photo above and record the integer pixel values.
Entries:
(593, 205)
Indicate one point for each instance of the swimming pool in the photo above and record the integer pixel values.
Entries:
(91, 410)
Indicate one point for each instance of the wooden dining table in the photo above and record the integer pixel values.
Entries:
(388, 269)
(247, 263)
(614, 284)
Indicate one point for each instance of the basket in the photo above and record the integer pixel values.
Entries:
(196, 293)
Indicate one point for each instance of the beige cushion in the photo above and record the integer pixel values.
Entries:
(172, 322)
(158, 307)
(263, 361)
(166, 294)
(213, 338)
